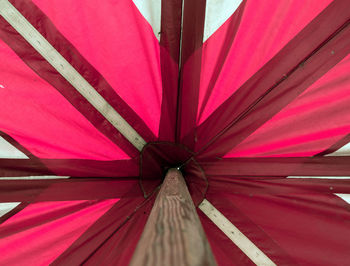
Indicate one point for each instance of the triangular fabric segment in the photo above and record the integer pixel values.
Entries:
(130, 42)
(42, 231)
(7, 207)
(343, 151)
(151, 10)
(69, 129)
(216, 13)
(9, 151)
(345, 197)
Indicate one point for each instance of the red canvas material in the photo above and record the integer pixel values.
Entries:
(124, 100)
(251, 116)
(226, 35)
(188, 87)
(67, 167)
(119, 220)
(277, 166)
(94, 78)
(263, 217)
(313, 130)
(258, 31)
(170, 36)
(227, 253)
(279, 185)
(280, 84)
(57, 224)
(49, 130)
(72, 189)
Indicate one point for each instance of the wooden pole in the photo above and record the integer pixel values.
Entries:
(173, 234)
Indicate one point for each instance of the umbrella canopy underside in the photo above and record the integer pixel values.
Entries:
(248, 98)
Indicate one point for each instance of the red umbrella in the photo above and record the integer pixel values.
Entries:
(247, 99)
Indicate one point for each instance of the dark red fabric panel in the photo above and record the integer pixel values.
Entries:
(276, 76)
(169, 62)
(67, 189)
(302, 216)
(22, 167)
(92, 168)
(119, 248)
(68, 167)
(226, 253)
(10, 167)
(190, 68)
(36, 62)
(278, 185)
(275, 166)
(304, 225)
(246, 225)
(97, 237)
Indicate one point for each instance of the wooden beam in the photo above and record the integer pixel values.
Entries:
(173, 234)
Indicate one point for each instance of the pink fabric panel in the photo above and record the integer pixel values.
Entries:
(116, 39)
(310, 124)
(265, 28)
(41, 232)
(42, 120)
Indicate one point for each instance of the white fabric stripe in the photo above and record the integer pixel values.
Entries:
(151, 11)
(345, 197)
(8, 151)
(233, 233)
(7, 207)
(216, 13)
(343, 151)
(41, 45)
(43, 177)
(321, 177)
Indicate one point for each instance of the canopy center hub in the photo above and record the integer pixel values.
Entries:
(157, 157)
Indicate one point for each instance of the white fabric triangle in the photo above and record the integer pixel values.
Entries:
(216, 13)
(7, 207)
(151, 11)
(345, 197)
(343, 151)
(9, 151)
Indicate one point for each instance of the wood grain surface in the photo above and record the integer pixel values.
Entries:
(173, 234)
